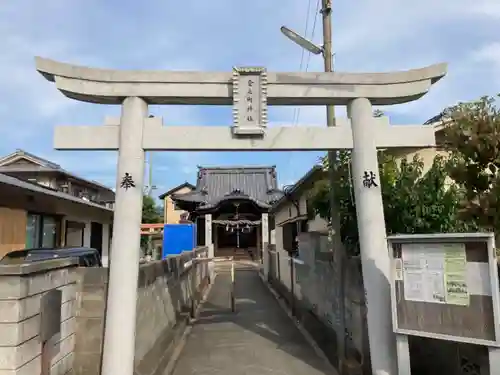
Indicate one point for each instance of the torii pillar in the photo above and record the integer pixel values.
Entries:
(250, 90)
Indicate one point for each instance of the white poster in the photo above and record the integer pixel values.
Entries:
(413, 280)
(423, 273)
(434, 287)
(434, 270)
(414, 285)
(412, 257)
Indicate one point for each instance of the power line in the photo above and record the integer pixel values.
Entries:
(313, 30)
(305, 33)
(295, 110)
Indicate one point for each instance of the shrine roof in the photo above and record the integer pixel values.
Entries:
(217, 184)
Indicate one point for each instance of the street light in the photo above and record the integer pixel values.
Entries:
(301, 41)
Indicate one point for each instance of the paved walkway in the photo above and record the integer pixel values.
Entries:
(258, 339)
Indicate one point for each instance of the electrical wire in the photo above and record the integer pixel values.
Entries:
(296, 112)
(305, 33)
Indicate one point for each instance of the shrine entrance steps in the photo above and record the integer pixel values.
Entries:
(237, 254)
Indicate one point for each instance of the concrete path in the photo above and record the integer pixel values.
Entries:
(258, 339)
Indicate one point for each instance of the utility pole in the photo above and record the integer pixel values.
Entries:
(150, 173)
(149, 251)
(339, 251)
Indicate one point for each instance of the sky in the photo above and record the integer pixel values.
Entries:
(368, 36)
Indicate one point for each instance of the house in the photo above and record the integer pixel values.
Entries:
(171, 213)
(426, 154)
(236, 198)
(293, 213)
(28, 167)
(42, 205)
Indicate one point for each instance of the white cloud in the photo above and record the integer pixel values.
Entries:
(376, 35)
(490, 54)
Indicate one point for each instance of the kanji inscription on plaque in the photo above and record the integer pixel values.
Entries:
(250, 100)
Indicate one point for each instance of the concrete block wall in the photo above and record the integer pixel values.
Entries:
(317, 295)
(21, 289)
(89, 319)
(163, 305)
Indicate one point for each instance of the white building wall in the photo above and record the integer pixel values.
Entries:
(318, 224)
(284, 263)
(47, 181)
(105, 245)
(289, 211)
(74, 237)
(86, 234)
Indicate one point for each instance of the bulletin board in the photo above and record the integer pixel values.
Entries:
(446, 286)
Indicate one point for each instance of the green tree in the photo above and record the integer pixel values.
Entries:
(472, 136)
(150, 212)
(150, 215)
(413, 202)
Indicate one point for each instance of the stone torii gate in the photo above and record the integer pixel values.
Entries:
(249, 90)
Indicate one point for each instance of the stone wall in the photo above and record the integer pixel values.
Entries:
(21, 289)
(163, 307)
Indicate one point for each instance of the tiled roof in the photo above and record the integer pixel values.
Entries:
(43, 162)
(215, 185)
(438, 117)
(316, 172)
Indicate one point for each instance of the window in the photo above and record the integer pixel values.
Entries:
(33, 231)
(41, 231)
(289, 237)
(304, 226)
(49, 229)
(311, 214)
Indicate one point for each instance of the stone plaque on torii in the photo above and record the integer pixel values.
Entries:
(250, 91)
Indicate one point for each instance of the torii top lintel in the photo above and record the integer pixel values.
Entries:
(215, 88)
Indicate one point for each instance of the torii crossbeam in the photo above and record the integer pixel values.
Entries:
(250, 90)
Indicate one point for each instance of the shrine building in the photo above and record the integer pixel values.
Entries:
(235, 200)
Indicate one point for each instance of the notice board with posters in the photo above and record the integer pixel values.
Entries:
(446, 286)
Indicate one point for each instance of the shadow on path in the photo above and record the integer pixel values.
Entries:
(259, 338)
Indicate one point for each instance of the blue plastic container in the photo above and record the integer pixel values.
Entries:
(178, 238)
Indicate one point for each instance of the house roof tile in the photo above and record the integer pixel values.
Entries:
(217, 184)
(176, 188)
(45, 166)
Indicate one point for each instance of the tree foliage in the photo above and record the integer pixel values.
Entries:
(472, 136)
(414, 202)
(150, 213)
